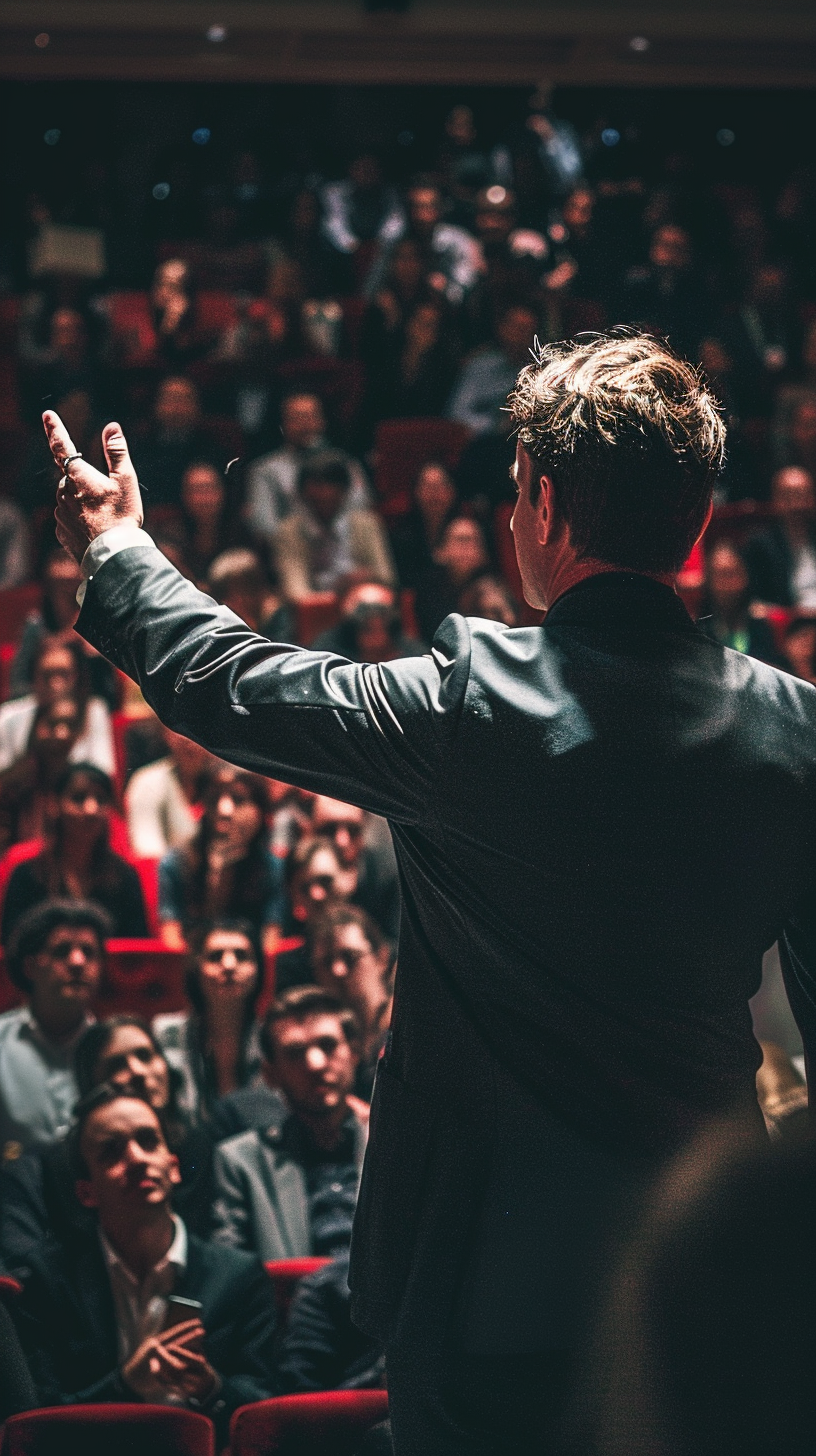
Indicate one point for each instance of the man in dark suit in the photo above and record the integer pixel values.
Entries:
(95, 1317)
(600, 825)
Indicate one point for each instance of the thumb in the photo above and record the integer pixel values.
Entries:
(116, 451)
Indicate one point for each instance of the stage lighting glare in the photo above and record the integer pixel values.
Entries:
(639, 44)
(201, 136)
(726, 137)
(496, 195)
(216, 33)
(42, 40)
(610, 136)
(161, 191)
(52, 136)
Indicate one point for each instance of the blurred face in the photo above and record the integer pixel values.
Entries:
(316, 884)
(803, 430)
(68, 332)
(460, 126)
(375, 642)
(55, 675)
(325, 499)
(671, 248)
(494, 224)
(800, 650)
(406, 266)
(302, 421)
(62, 578)
(314, 1065)
(177, 407)
(462, 551)
(578, 210)
(793, 493)
(346, 965)
(425, 208)
(495, 605)
(135, 1067)
(515, 332)
(422, 328)
(131, 1170)
(173, 276)
(56, 732)
(435, 491)
(64, 976)
(227, 968)
(713, 358)
(202, 494)
(235, 816)
(768, 284)
(727, 579)
(342, 824)
(85, 806)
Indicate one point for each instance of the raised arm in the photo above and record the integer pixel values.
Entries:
(376, 735)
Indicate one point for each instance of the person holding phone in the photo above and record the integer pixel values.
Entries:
(137, 1308)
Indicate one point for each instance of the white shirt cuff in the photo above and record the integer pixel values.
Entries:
(106, 545)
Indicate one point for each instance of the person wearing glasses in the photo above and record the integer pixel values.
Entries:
(55, 958)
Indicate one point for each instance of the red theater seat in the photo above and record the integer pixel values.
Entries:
(100, 1430)
(330, 1423)
(142, 976)
(286, 1274)
(402, 447)
(314, 616)
(15, 604)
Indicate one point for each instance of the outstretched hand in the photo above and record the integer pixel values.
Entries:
(89, 502)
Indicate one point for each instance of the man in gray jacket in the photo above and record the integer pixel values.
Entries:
(291, 1190)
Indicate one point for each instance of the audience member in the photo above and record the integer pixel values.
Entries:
(415, 537)
(225, 869)
(291, 1191)
(460, 557)
(213, 1048)
(800, 646)
(272, 481)
(489, 597)
(26, 787)
(726, 613)
(762, 338)
(352, 959)
(61, 578)
(97, 1319)
(321, 1348)
(55, 960)
(325, 537)
(481, 391)
(60, 670)
(452, 257)
(163, 798)
(369, 875)
(77, 862)
(210, 525)
(314, 877)
(361, 208)
(790, 396)
(370, 626)
(667, 294)
(174, 439)
(15, 545)
(237, 580)
(782, 560)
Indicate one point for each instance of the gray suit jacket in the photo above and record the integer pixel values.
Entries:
(261, 1201)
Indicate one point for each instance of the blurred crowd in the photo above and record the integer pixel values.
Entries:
(313, 394)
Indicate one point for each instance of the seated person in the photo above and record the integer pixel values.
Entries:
(209, 522)
(291, 1190)
(162, 798)
(26, 788)
(77, 862)
(60, 670)
(726, 613)
(175, 437)
(237, 579)
(37, 1197)
(800, 647)
(272, 481)
(321, 1349)
(490, 598)
(459, 558)
(370, 875)
(314, 878)
(55, 958)
(61, 578)
(416, 536)
(352, 959)
(370, 626)
(226, 868)
(96, 1315)
(782, 560)
(213, 1048)
(490, 373)
(326, 537)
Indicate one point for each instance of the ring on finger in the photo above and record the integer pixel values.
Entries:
(69, 459)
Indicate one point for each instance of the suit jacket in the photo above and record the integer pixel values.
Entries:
(600, 825)
(261, 1201)
(67, 1323)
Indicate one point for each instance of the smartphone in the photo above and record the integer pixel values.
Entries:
(180, 1309)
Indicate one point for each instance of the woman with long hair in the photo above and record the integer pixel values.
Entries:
(226, 869)
(77, 862)
(60, 670)
(213, 1048)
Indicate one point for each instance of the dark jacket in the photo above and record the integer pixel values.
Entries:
(770, 565)
(600, 825)
(321, 1348)
(121, 897)
(67, 1324)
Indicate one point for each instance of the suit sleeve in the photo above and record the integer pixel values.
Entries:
(377, 735)
(230, 1214)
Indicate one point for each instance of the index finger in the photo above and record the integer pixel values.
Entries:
(59, 440)
(183, 1330)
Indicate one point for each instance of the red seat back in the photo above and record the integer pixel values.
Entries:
(330, 1423)
(402, 447)
(15, 604)
(142, 976)
(99, 1430)
(317, 615)
(286, 1274)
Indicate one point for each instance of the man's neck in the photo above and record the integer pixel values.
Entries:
(58, 1027)
(141, 1244)
(569, 573)
(325, 1129)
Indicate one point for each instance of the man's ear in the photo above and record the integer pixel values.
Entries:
(84, 1192)
(545, 509)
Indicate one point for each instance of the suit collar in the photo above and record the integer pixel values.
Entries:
(620, 598)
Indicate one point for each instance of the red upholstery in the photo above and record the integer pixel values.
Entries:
(142, 976)
(314, 616)
(402, 447)
(7, 651)
(9, 1288)
(286, 1273)
(148, 870)
(99, 1430)
(330, 1423)
(15, 604)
